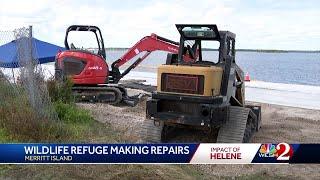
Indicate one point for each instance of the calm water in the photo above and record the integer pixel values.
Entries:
(291, 68)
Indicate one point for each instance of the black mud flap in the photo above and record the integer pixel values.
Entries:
(257, 111)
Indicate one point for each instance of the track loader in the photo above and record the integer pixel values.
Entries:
(203, 94)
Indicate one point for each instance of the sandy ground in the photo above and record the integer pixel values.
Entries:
(279, 124)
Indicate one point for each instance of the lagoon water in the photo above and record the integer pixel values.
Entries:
(289, 79)
(289, 68)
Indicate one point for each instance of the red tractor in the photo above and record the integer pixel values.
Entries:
(93, 80)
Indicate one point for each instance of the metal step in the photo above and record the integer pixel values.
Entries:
(110, 79)
(233, 130)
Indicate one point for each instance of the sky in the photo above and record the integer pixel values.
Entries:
(263, 24)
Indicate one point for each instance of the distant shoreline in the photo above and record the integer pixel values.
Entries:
(247, 50)
(278, 51)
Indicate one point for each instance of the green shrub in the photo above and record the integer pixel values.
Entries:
(63, 100)
(60, 91)
(70, 113)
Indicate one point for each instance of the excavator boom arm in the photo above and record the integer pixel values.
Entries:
(147, 44)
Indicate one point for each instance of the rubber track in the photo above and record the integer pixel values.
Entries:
(233, 130)
(98, 90)
(150, 132)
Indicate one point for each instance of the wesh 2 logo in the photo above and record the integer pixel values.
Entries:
(281, 151)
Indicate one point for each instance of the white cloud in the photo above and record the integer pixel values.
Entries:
(124, 24)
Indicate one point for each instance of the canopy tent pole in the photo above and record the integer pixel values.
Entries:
(14, 78)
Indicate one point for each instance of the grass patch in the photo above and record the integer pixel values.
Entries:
(100, 172)
(265, 176)
(4, 136)
(21, 123)
(70, 113)
(121, 172)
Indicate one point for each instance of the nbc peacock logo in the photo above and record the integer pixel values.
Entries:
(281, 151)
(268, 150)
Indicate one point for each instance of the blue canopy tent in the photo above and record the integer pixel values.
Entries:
(42, 51)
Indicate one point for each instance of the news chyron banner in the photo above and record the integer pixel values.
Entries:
(203, 153)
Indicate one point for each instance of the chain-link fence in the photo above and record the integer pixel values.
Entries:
(22, 83)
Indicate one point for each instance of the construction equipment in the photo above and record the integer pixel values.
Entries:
(93, 81)
(203, 94)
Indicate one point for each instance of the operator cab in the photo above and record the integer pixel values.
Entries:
(210, 71)
(85, 66)
(205, 43)
(96, 33)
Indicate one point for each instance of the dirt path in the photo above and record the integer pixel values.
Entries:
(288, 124)
(279, 124)
(124, 119)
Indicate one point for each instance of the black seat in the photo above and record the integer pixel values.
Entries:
(172, 58)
